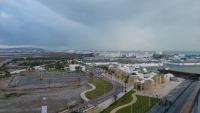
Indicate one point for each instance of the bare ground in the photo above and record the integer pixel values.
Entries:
(28, 100)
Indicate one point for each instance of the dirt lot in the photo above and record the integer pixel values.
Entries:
(27, 95)
(44, 79)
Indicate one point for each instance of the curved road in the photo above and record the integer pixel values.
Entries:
(116, 90)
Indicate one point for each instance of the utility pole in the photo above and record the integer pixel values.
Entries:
(104, 89)
(149, 100)
(73, 77)
(132, 106)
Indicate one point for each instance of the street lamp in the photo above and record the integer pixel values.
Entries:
(104, 89)
(149, 99)
(68, 104)
(132, 106)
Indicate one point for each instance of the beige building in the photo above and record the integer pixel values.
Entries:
(148, 84)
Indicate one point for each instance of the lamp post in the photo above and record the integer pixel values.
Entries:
(68, 104)
(104, 89)
(132, 106)
(73, 77)
(149, 100)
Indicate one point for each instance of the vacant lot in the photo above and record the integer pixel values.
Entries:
(27, 91)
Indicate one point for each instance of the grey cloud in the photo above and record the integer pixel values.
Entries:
(101, 24)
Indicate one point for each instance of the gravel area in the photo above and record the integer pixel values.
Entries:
(27, 95)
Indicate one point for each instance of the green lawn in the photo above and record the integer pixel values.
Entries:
(120, 102)
(99, 83)
(141, 105)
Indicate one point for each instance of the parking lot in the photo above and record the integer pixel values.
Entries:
(27, 90)
(46, 79)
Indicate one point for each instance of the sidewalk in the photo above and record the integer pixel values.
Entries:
(171, 96)
(83, 93)
(120, 107)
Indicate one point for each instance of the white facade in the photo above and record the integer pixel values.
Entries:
(17, 71)
(72, 67)
(159, 52)
(38, 68)
(168, 76)
(44, 106)
(144, 77)
(144, 54)
(101, 63)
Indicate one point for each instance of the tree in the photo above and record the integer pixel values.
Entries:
(125, 82)
(72, 61)
(115, 76)
(7, 74)
(115, 97)
(78, 68)
(91, 76)
(118, 78)
(121, 78)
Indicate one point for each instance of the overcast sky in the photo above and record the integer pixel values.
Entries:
(101, 24)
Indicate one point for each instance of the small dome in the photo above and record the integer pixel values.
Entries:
(44, 98)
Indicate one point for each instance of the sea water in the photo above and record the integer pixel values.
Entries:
(190, 69)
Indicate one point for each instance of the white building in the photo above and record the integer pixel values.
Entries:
(16, 71)
(144, 54)
(168, 76)
(159, 52)
(101, 63)
(72, 67)
(38, 68)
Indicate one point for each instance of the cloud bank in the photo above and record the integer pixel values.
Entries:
(101, 24)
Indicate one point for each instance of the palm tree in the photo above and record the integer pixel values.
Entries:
(115, 97)
(125, 82)
(121, 78)
(115, 76)
(90, 74)
(118, 78)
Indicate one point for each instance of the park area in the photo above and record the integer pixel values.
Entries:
(102, 87)
(141, 105)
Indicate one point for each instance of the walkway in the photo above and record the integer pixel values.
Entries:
(83, 93)
(177, 96)
(120, 107)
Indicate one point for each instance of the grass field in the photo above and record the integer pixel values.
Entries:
(120, 102)
(141, 105)
(99, 83)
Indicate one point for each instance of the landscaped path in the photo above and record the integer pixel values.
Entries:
(120, 107)
(83, 93)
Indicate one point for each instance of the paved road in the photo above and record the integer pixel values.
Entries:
(178, 96)
(180, 102)
(117, 89)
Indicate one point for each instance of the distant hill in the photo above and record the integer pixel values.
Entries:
(23, 49)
